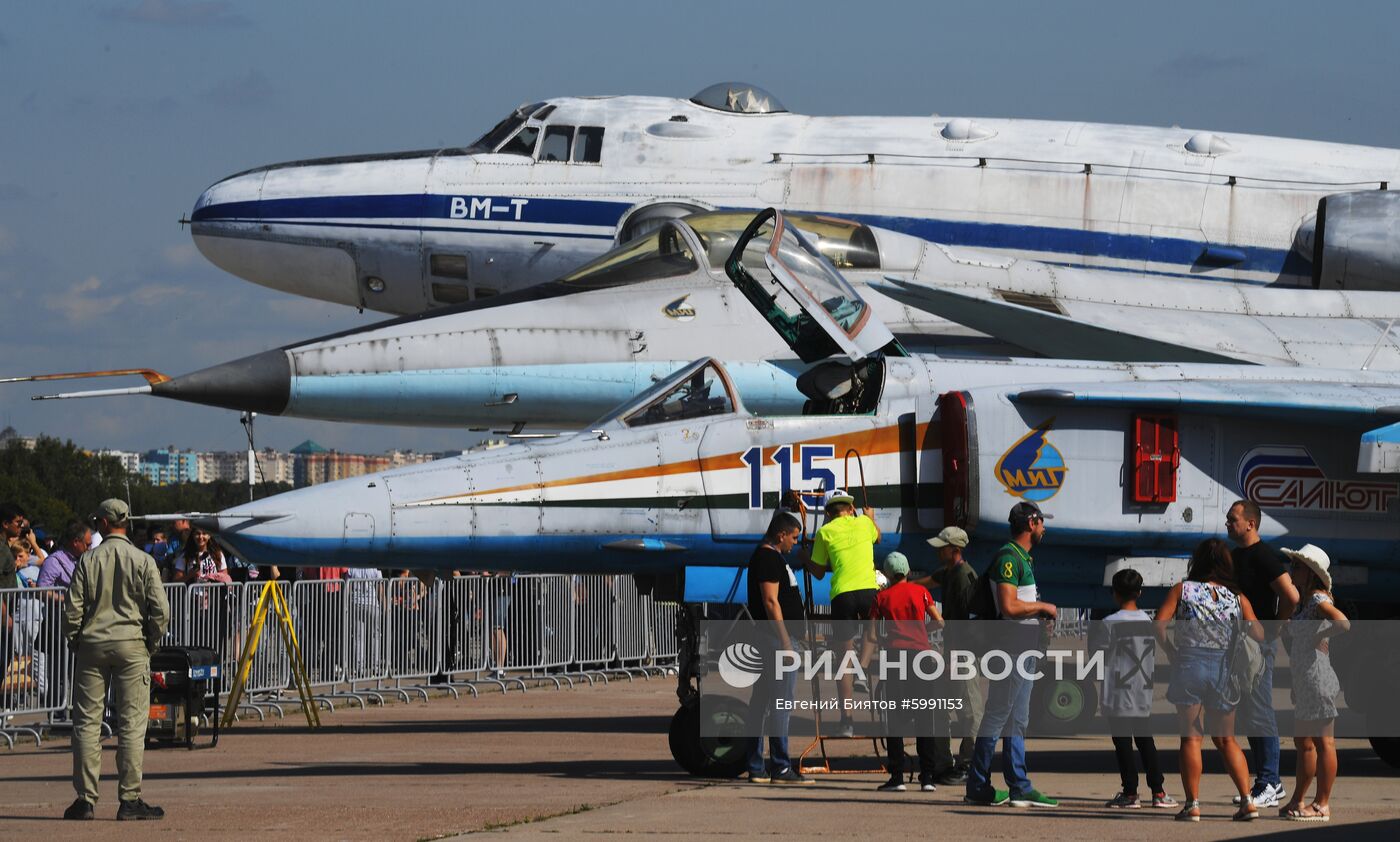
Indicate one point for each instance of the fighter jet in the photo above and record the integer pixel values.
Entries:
(560, 354)
(558, 182)
(1137, 463)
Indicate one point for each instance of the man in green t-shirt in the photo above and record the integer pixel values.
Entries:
(1012, 579)
(845, 545)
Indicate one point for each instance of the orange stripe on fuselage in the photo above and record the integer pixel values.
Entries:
(875, 442)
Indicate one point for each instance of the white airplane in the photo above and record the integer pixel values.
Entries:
(562, 353)
(560, 181)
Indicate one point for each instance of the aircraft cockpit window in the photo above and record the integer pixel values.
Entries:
(664, 253)
(543, 113)
(701, 394)
(588, 148)
(504, 129)
(522, 144)
(555, 146)
(738, 98)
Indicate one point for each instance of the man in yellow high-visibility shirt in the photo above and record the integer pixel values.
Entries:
(846, 545)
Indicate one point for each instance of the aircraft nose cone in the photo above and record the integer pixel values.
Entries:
(260, 383)
(230, 199)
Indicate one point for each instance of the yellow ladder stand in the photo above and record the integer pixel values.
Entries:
(272, 597)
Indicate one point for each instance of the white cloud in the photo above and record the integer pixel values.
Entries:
(92, 298)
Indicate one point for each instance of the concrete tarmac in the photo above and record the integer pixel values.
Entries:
(587, 762)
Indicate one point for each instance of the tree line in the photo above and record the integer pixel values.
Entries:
(57, 481)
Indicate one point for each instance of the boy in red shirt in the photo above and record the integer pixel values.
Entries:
(897, 622)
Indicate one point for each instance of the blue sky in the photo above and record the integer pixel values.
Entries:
(118, 113)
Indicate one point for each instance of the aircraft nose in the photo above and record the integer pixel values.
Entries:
(230, 199)
(259, 383)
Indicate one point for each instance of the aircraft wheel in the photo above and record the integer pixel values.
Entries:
(1062, 707)
(710, 757)
(1388, 749)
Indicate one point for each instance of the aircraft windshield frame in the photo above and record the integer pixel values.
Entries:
(667, 252)
(634, 413)
(505, 129)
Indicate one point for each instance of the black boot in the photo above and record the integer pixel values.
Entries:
(138, 810)
(79, 811)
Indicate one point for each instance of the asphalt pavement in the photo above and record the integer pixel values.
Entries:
(594, 761)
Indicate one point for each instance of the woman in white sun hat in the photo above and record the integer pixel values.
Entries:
(1315, 685)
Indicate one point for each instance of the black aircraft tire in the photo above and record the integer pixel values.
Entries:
(684, 738)
(1388, 750)
(710, 757)
(726, 757)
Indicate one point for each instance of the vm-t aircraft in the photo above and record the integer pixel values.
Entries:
(558, 182)
(563, 353)
(1137, 462)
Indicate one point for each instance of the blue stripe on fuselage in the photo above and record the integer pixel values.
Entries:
(540, 211)
(414, 206)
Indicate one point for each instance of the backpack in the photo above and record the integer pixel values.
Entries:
(1244, 664)
(983, 605)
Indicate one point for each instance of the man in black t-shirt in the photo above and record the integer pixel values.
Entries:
(1261, 574)
(776, 606)
(958, 584)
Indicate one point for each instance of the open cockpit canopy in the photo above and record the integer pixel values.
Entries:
(800, 293)
(669, 251)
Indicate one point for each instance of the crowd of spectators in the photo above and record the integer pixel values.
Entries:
(1219, 628)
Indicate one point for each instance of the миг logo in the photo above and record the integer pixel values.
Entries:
(740, 665)
(1032, 468)
(680, 309)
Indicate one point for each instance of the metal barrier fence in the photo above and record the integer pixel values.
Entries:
(362, 637)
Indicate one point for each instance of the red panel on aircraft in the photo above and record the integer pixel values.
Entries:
(953, 412)
(1156, 457)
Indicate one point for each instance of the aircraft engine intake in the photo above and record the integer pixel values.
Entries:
(1354, 241)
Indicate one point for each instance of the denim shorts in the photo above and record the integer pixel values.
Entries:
(1198, 677)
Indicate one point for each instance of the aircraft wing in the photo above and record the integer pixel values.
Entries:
(1326, 402)
(1057, 335)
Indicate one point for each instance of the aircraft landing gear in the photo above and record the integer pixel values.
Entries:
(705, 757)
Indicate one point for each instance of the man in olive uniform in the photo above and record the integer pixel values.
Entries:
(113, 618)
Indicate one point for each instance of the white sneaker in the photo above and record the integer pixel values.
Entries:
(1264, 795)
